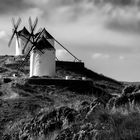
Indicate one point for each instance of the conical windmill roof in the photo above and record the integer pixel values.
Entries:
(46, 34)
(43, 44)
(24, 32)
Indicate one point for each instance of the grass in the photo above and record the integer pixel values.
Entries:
(52, 122)
(26, 117)
(56, 113)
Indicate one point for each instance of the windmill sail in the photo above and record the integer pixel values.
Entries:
(40, 48)
(15, 27)
(32, 28)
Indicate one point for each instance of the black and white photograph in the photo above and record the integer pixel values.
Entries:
(69, 69)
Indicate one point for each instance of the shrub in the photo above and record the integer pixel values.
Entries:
(129, 89)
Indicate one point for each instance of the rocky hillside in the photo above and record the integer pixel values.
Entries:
(10, 65)
(31, 111)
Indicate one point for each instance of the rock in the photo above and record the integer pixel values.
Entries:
(7, 80)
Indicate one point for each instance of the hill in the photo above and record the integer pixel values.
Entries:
(74, 70)
(24, 106)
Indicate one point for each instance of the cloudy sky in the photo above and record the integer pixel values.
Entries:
(105, 34)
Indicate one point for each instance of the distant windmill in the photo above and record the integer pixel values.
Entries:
(15, 33)
(23, 36)
(21, 41)
(41, 52)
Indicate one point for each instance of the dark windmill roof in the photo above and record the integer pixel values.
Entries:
(46, 34)
(36, 35)
(43, 44)
(24, 32)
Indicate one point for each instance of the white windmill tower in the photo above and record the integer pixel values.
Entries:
(42, 59)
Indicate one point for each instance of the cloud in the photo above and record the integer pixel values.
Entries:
(60, 53)
(121, 57)
(37, 2)
(69, 10)
(78, 6)
(96, 55)
(2, 34)
(124, 20)
(13, 6)
(118, 2)
(100, 55)
(96, 2)
(132, 27)
(116, 15)
(83, 24)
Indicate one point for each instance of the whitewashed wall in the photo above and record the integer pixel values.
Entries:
(44, 64)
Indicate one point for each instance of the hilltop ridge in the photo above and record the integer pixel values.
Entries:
(74, 70)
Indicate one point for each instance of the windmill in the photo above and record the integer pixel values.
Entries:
(41, 52)
(15, 33)
(22, 37)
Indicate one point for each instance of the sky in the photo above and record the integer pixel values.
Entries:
(104, 34)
